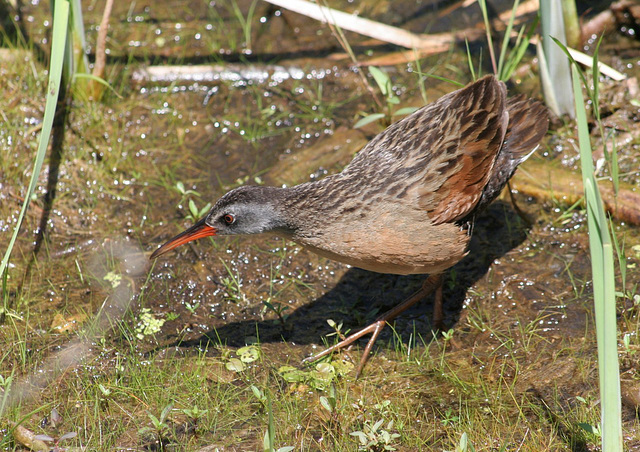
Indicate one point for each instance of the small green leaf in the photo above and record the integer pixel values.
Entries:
(361, 436)
(325, 404)
(368, 119)
(154, 420)
(166, 411)
(43, 437)
(68, 436)
(588, 428)
(257, 392)
(291, 374)
(193, 208)
(325, 369)
(248, 354)
(235, 365)
(342, 367)
(405, 111)
(104, 390)
(266, 442)
(382, 79)
(204, 210)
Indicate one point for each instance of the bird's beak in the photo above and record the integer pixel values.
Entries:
(197, 231)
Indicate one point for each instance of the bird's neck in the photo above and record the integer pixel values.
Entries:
(293, 211)
(278, 206)
(303, 207)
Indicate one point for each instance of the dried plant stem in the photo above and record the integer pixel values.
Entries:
(101, 55)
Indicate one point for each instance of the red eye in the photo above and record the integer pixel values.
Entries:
(229, 219)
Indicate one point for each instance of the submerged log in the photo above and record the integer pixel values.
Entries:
(539, 179)
(327, 156)
(213, 74)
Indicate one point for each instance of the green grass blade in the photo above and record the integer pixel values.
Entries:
(505, 66)
(602, 265)
(423, 90)
(505, 40)
(520, 49)
(81, 63)
(615, 167)
(574, 63)
(470, 61)
(271, 428)
(611, 402)
(586, 161)
(596, 79)
(60, 23)
(98, 80)
(620, 254)
(445, 79)
(487, 27)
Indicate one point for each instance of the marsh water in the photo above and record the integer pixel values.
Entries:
(277, 106)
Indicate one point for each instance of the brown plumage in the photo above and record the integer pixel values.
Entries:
(405, 202)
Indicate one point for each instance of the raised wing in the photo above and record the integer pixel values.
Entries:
(441, 157)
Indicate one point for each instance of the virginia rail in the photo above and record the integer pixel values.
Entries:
(407, 201)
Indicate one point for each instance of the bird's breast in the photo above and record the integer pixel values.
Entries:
(390, 246)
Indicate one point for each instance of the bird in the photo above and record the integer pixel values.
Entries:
(406, 203)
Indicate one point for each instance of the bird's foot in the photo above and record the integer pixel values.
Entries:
(375, 328)
(433, 282)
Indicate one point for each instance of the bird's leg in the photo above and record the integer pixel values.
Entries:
(438, 312)
(433, 282)
(525, 217)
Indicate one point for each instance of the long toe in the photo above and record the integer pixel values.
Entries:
(374, 329)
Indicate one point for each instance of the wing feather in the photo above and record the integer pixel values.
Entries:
(440, 157)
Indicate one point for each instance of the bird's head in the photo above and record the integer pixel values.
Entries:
(244, 210)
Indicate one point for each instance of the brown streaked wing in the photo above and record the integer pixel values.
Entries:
(473, 129)
(439, 157)
(528, 123)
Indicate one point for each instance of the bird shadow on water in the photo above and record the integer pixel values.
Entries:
(361, 296)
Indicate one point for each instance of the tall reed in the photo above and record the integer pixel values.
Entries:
(54, 88)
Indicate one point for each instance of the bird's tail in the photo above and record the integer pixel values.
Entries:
(528, 123)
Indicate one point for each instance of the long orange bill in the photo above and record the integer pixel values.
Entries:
(197, 231)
